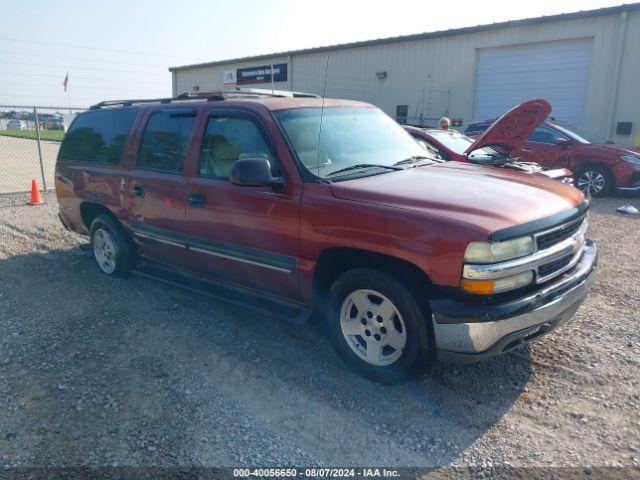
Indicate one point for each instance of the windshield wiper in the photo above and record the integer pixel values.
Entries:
(417, 159)
(363, 165)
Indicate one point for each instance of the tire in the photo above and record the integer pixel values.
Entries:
(401, 344)
(594, 180)
(112, 248)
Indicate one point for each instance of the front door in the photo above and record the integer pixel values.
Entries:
(247, 236)
(156, 188)
(541, 147)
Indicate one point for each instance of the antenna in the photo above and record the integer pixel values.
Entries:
(324, 94)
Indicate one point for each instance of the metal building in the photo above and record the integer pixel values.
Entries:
(587, 64)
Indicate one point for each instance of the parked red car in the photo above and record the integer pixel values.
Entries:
(407, 258)
(600, 167)
(496, 145)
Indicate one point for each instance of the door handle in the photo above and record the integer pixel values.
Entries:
(197, 200)
(138, 191)
(527, 150)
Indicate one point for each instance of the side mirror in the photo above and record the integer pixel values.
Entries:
(254, 172)
(562, 142)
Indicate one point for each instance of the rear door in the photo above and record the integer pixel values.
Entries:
(247, 236)
(541, 147)
(156, 188)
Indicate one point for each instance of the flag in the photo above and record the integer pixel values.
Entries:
(66, 81)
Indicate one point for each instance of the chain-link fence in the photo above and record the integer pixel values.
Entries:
(30, 137)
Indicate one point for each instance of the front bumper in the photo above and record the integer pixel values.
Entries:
(466, 333)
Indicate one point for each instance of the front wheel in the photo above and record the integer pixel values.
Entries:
(378, 327)
(594, 180)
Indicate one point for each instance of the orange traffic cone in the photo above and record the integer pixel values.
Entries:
(36, 199)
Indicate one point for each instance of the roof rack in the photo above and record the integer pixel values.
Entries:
(275, 93)
(212, 96)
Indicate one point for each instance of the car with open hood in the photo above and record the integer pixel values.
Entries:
(292, 206)
(497, 145)
(600, 167)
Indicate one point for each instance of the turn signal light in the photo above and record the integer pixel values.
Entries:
(479, 287)
(504, 284)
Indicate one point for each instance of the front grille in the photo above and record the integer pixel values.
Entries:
(547, 240)
(553, 267)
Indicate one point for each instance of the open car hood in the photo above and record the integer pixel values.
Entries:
(511, 130)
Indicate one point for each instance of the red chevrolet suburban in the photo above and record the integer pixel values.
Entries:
(300, 205)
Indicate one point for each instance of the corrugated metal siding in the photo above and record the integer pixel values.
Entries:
(627, 103)
(437, 76)
(211, 78)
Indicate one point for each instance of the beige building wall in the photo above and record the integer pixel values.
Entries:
(436, 76)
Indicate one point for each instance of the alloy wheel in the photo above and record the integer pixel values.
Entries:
(104, 250)
(373, 327)
(592, 182)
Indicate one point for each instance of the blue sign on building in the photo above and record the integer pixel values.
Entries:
(262, 74)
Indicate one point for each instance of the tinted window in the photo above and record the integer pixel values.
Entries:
(98, 136)
(544, 135)
(476, 128)
(225, 141)
(165, 141)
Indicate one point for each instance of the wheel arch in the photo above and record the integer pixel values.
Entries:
(585, 163)
(336, 260)
(90, 210)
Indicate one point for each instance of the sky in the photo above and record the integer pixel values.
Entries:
(122, 49)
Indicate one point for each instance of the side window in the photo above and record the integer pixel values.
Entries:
(476, 128)
(165, 141)
(98, 136)
(227, 139)
(402, 112)
(433, 150)
(544, 135)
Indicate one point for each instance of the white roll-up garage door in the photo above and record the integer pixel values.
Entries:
(556, 71)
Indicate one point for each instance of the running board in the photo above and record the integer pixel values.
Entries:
(258, 302)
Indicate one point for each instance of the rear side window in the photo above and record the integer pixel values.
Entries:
(225, 141)
(165, 141)
(98, 136)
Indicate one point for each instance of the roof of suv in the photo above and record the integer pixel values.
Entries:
(272, 102)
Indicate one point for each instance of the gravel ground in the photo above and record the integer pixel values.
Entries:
(99, 371)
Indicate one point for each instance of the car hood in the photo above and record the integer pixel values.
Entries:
(511, 130)
(489, 198)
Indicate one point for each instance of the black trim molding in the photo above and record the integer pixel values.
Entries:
(251, 256)
(542, 224)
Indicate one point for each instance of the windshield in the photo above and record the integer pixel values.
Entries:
(580, 134)
(458, 142)
(349, 137)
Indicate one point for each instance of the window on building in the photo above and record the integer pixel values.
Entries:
(226, 140)
(165, 141)
(402, 112)
(98, 136)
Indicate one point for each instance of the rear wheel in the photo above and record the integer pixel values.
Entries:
(594, 180)
(111, 246)
(378, 327)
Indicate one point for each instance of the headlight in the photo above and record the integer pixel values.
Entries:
(485, 252)
(632, 159)
(488, 287)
